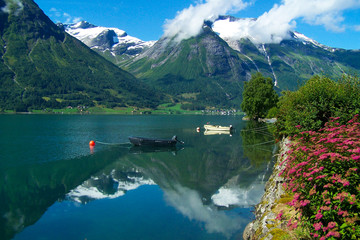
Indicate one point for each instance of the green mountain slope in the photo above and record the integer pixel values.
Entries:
(42, 66)
(292, 62)
(210, 70)
(203, 69)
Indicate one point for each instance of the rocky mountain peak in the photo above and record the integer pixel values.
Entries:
(107, 40)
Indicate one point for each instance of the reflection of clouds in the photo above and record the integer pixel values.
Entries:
(231, 194)
(188, 203)
(234, 196)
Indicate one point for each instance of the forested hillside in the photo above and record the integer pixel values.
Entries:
(42, 66)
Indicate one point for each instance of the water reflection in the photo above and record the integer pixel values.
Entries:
(207, 181)
(108, 186)
(151, 149)
(231, 195)
(203, 182)
(206, 132)
(27, 191)
(189, 203)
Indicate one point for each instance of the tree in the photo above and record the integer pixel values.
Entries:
(258, 96)
(316, 102)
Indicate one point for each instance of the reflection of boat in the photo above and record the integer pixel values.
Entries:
(141, 141)
(152, 149)
(216, 132)
(209, 127)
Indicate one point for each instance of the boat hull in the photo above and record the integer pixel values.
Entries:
(217, 128)
(141, 141)
(216, 132)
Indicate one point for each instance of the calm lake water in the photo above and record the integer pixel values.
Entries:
(53, 186)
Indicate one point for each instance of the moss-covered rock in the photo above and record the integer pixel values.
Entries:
(267, 224)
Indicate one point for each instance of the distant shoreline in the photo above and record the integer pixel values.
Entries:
(129, 111)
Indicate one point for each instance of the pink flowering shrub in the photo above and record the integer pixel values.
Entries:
(323, 171)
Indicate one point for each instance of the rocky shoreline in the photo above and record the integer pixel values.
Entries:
(266, 224)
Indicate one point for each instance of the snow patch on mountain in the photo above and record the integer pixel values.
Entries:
(306, 40)
(115, 40)
(233, 29)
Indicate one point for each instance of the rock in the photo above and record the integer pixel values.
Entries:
(264, 221)
(248, 232)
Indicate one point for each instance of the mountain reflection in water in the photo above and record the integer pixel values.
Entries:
(188, 202)
(213, 181)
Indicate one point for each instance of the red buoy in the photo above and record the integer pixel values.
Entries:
(92, 143)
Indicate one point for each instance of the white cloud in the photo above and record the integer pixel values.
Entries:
(77, 19)
(189, 22)
(55, 12)
(357, 28)
(63, 17)
(274, 25)
(271, 27)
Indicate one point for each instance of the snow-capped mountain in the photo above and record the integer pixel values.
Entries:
(233, 29)
(103, 39)
(213, 65)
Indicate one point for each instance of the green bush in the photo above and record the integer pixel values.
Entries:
(272, 113)
(319, 99)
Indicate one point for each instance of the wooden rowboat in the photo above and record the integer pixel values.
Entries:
(142, 141)
(209, 127)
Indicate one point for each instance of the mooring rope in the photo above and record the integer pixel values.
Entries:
(259, 144)
(104, 143)
(256, 129)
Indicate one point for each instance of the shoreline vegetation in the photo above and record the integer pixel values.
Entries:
(314, 190)
(162, 109)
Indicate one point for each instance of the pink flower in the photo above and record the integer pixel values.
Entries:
(304, 203)
(318, 216)
(298, 126)
(331, 225)
(328, 185)
(343, 213)
(324, 156)
(321, 176)
(279, 215)
(355, 157)
(317, 226)
(325, 208)
(357, 150)
(333, 233)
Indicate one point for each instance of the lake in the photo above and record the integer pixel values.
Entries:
(53, 186)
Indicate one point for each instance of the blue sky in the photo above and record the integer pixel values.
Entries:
(338, 25)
